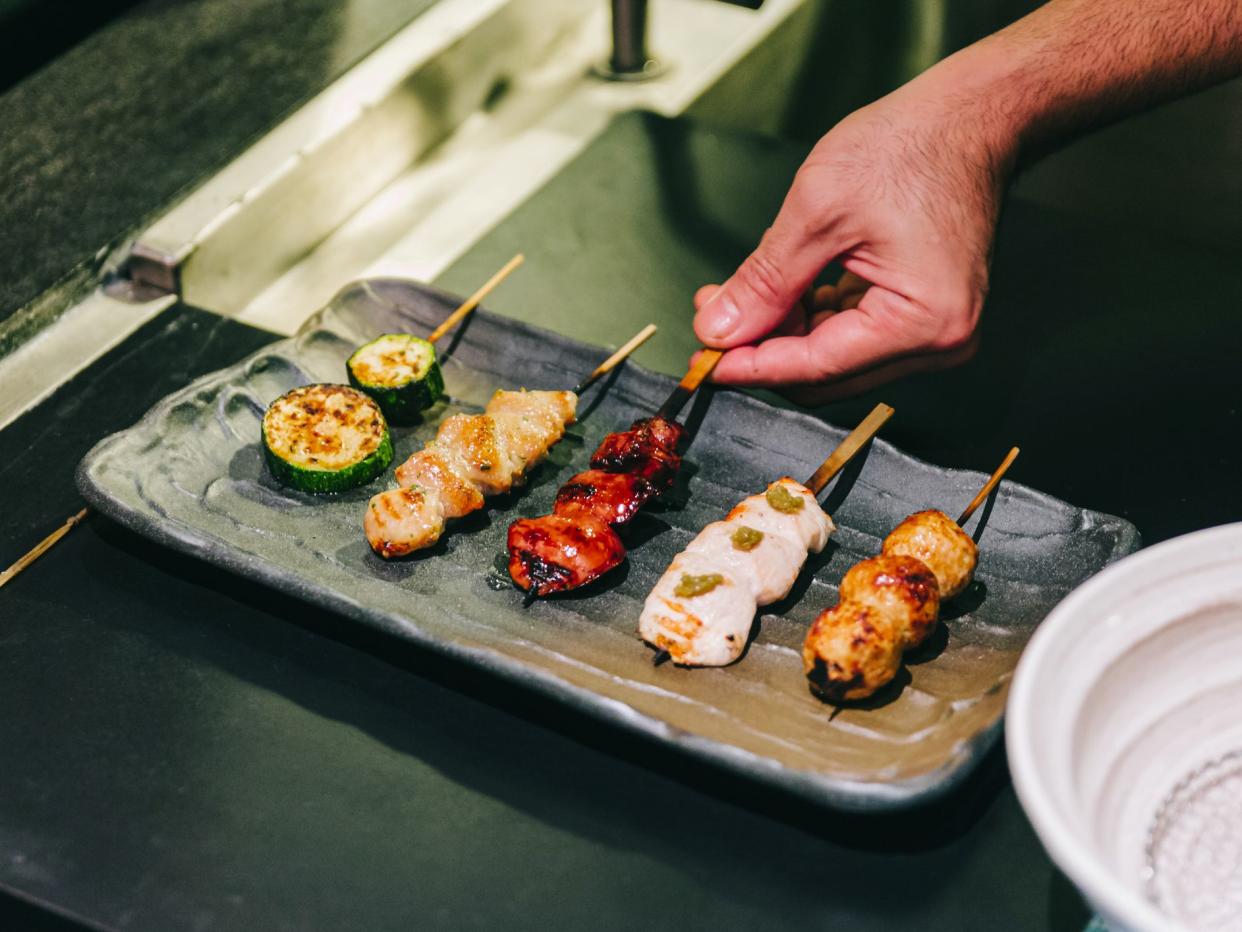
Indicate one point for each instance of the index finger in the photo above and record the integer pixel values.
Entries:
(883, 328)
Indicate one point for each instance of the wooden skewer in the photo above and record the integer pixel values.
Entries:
(690, 382)
(993, 482)
(42, 547)
(473, 301)
(611, 362)
(854, 441)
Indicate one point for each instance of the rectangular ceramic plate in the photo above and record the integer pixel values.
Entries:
(190, 474)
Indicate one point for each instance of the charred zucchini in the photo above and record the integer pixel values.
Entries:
(325, 438)
(399, 371)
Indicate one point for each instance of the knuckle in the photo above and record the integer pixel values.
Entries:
(763, 278)
(955, 335)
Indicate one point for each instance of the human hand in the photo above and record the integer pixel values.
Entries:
(905, 195)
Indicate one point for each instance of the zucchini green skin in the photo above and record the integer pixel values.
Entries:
(402, 403)
(328, 481)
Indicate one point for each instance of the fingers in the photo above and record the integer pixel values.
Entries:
(850, 290)
(703, 295)
(796, 321)
(758, 297)
(812, 395)
(884, 327)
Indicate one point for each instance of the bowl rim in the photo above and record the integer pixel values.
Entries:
(1102, 887)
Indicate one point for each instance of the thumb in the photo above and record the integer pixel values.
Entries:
(757, 298)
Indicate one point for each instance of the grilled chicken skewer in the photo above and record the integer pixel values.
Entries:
(701, 611)
(578, 542)
(474, 456)
(891, 603)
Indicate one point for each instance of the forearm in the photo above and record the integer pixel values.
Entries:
(1074, 64)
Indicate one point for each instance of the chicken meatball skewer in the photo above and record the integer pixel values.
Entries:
(474, 456)
(701, 610)
(891, 602)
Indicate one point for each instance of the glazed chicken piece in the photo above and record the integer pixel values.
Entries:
(611, 497)
(555, 553)
(702, 609)
(473, 455)
(888, 605)
(936, 539)
(647, 449)
(577, 543)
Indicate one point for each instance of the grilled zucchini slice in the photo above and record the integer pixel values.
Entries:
(399, 371)
(325, 438)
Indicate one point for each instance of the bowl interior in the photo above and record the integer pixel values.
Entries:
(1123, 721)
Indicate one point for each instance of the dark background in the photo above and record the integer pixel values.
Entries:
(182, 749)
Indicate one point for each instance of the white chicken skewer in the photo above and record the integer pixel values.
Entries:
(701, 610)
(474, 456)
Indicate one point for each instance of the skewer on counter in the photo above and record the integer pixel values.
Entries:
(578, 543)
(42, 547)
(474, 456)
(891, 603)
(701, 611)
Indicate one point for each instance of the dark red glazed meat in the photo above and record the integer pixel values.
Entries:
(647, 449)
(555, 553)
(612, 497)
(576, 543)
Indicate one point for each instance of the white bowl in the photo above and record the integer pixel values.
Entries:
(1132, 685)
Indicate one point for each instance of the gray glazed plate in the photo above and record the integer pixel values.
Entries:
(190, 475)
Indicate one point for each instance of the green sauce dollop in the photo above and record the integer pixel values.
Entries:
(690, 586)
(782, 499)
(746, 538)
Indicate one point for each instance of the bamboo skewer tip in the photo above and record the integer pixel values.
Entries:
(42, 547)
(848, 448)
(993, 481)
(475, 299)
(618, 357)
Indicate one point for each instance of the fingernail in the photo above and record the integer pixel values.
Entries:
(720, 317)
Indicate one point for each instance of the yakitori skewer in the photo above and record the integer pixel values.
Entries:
(578, 542)
(701, 611)
(404, 381)
(474, 456)
(42, 547)
(891, 603)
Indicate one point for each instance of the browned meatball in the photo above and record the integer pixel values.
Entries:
(850, 652)
(935, 538)
(903, 589)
